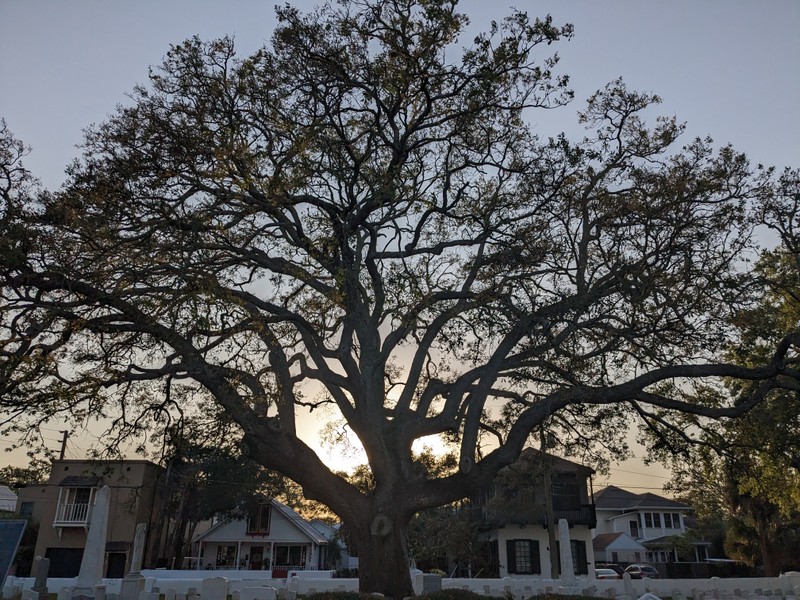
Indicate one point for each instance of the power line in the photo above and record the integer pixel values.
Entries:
(638, 473)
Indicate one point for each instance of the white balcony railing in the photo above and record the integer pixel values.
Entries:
(77, 513)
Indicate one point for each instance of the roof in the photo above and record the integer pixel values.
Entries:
(8, 499)
(560, 465)
(668, 541)
(300, 523)
(81, 481)
(291, 516)
(616, 541)
(614, 498)
(602, 540)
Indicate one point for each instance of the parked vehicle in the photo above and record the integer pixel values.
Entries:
(606, 574)
(613, 566)
(642, 571)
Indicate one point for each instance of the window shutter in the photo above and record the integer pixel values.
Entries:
(536, 561)
(582, 566)
(511, 557)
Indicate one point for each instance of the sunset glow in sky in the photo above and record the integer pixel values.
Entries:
(730, 68)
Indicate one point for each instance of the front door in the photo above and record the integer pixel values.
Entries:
(257, 558)
(116, 565)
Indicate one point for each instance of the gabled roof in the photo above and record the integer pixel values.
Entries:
(614, 498)
(8, 499)
(300, 522)
(292, 517)
(602, 540)
(619, 541)
(669, 541)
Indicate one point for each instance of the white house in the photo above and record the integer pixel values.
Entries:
(8, 499)
(649, 519)
(617, 547)
(273, 536)
(514, 512)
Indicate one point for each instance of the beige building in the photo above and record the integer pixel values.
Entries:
(63, 509)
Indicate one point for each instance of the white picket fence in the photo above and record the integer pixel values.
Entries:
(217, 585)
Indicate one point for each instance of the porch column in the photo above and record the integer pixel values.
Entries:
(238, 553)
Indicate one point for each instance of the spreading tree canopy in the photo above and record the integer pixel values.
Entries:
(746, 472)
(361, 215)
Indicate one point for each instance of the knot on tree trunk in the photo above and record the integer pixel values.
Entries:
(380, 526)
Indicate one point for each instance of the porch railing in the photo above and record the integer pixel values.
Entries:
(77, 513)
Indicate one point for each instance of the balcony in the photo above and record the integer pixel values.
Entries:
(76, 514)
(583, 514)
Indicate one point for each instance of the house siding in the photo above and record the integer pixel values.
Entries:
(538, 535)
(133, 487)
(291, 543)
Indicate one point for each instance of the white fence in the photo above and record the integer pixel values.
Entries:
(186, 585)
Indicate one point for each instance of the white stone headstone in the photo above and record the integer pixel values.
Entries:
(133, 583)
(214, 588)
(94, 554)
(627, 584)
(138, 548)
(565, 548)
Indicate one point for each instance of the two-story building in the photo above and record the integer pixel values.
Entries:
(272, 537)
(650, 521)
(63, 509)
(515, 512)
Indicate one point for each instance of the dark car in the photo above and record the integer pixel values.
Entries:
(642, 571)
(613, 566)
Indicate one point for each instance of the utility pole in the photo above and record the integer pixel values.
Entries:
(548, 507)
(63, 444)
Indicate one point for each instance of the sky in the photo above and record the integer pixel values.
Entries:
(729, 68)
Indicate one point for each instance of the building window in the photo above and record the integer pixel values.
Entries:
(580, 566)
(26, 509)
(226, 556)
(74, 505)
(676, 520)
(656, 519)
(668, 520)
(290, 556)
(648, 519)
(566, 492)
(523, 557)
(579, 561)
(258, 519)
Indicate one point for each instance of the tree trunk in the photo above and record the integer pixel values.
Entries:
(769, 557)
(382, 557)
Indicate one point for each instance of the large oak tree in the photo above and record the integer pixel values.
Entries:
(746, 472)
(363, 205)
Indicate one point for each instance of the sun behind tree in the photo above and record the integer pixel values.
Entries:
(364, 205)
